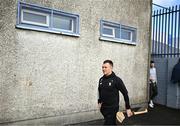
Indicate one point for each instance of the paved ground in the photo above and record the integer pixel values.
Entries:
(160, 115)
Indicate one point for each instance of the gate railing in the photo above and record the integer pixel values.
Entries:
(166, 32)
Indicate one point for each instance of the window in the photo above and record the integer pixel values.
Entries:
(128, 33)
(64, 23)
(34, 18)
(111, 31)
(39, 18)
(108, 31)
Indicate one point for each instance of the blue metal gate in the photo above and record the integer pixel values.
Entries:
(166, 52)
(166, 32)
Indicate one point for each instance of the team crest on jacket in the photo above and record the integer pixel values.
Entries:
(110, 83)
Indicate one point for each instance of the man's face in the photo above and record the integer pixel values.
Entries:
(152, 65)
(107, 69)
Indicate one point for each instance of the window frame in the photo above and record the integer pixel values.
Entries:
(72, 25)
(132, 30)
(35, 23)
(113, 31)
(48, 12)
(129, 31)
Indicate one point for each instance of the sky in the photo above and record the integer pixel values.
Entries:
(165, 3)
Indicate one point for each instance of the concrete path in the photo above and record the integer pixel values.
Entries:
(160, 115)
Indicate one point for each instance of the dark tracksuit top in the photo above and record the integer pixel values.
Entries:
(109, 87)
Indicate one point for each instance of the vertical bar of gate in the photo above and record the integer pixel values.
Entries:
(165, 43)
(162, 29)
(159, 31)
(168, 31)
(156, 32)
(153, 17)
(179, 31)
(175, 31)
(172, 17)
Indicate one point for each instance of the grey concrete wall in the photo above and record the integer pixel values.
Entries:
(47, 75)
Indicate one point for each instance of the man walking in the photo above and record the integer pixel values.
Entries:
(175, 77)
(109, 87)
(153, 83)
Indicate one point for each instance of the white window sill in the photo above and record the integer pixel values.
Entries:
(46, 30)
(117, 41)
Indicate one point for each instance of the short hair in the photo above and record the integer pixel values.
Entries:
(152, 61)
(108, 61)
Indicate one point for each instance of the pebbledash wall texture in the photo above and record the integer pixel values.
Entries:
(48, 76)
